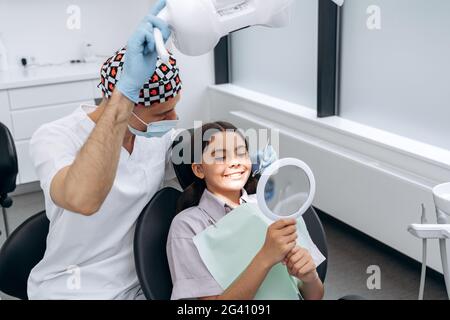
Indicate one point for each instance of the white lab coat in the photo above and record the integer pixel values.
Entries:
(92, 257)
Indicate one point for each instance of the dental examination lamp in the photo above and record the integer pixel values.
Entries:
(198, 25)
(441, 231)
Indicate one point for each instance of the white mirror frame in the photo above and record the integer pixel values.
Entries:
(260, 190)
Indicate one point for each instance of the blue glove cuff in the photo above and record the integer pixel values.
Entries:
(128, 90)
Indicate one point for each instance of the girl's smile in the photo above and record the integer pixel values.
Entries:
(236, 175)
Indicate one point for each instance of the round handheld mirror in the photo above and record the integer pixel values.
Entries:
(286, 189)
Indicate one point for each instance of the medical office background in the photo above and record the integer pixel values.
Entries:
(375, 157)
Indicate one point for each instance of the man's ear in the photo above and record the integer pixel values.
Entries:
(197, 169)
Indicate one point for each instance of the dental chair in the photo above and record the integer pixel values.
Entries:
(153, 227)
(8, 171)
(25, 247)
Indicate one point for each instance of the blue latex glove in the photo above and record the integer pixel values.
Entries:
(263, 159)
(141, 55)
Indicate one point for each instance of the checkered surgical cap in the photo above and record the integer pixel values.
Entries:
(163, 85)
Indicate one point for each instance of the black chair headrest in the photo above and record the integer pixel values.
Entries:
(8, 162)
(182, 170)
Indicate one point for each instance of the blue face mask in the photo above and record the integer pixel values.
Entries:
(155, 129)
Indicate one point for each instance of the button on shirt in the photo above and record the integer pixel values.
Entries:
(92, 257)
(190, 277)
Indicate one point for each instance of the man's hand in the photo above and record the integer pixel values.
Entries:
(141, 55)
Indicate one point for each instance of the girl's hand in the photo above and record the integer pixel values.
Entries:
(280, 240)
(301, 265)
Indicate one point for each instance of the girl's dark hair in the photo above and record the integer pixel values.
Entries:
(192, 194)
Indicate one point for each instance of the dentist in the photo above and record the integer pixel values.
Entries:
(98, 170)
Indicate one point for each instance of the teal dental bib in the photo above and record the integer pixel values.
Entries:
(228, 247)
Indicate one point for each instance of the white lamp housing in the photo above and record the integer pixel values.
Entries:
(198, 25)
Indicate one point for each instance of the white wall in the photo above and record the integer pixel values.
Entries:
(268, 61)
(396, 78)
(38, 28)
(197, 74)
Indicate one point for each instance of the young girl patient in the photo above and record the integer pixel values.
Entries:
(223, 182)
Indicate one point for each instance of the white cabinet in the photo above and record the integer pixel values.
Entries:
(97, 91)
(26, 122)
(50, 94)
(26, 168)
(24, 108)
(5, 116)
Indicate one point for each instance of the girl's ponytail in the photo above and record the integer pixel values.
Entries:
(191, 195)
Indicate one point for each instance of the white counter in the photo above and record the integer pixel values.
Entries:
(33, 96)
(37, 76)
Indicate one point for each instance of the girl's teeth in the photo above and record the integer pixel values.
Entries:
(235, 175)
